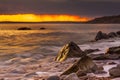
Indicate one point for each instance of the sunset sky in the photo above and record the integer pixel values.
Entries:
(60, 10)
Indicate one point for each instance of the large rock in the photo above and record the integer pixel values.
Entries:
(115, 71)
(100, 35)
(113, 50)
(68, 51)
(83, 64)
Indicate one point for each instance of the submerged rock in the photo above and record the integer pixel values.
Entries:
(24, 28)
(100, 35)
(85, 64)
(68, 51)
(42, 28)
(115, 71)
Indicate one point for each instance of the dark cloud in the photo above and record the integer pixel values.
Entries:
(78, 7)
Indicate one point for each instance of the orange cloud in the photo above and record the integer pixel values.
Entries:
(41, 18)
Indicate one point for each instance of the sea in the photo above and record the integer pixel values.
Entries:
(49, 40)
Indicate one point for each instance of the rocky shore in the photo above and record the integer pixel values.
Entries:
(98, 60)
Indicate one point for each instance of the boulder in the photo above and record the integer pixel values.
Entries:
(68, 51)
(85, 64)
(71, 76)
(100, 35)
(113, 50)
(112, 34)
(115, 72)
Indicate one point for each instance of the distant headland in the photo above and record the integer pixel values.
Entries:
(115, 19)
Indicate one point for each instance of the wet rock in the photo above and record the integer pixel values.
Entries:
(111, 63)
(42, 28)
(81, 73)
(100, 72)
(100, 35)
(91, 50)
(118, 32)
(68, 51)
(53, 78)
(98, 56)
(113, 50)
(83, 64)
(30, 74)
(112, 34)
(94, 78)
(24, 28)
(104, 56)
(71, 76)
(115, 72)
(18, 71)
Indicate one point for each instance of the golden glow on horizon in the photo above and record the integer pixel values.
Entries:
(41, 18)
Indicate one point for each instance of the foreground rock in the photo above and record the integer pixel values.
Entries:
(100, 35)
(84, 64)
(24, 28)
(68, 51)
(115, 71)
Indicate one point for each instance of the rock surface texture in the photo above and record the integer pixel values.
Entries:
(68, 51)
(84, 64)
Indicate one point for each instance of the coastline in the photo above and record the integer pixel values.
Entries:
(28, 67)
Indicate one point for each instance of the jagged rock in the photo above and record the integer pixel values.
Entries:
(112, 34)
(115, 71)
(100, 35)
(71, 76)
(113, 50)
(83, 64)
(91, 50)
(53, 78)
(69, 50)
